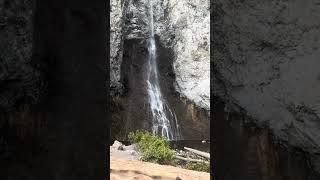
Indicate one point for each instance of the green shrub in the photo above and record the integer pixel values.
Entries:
(151, 147)
(198, 166)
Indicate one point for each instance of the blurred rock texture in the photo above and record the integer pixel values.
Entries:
(265, 65)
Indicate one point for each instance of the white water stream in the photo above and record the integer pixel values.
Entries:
(164, 119)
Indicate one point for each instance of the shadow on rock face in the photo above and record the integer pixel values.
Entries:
(244, 151)
(133, 110)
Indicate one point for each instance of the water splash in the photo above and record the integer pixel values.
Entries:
(164, 119)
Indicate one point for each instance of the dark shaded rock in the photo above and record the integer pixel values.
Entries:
(19, 78)
(131, 110)
(243, 151)
(61, 135)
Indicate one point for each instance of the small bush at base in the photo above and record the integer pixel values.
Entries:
(151, 147)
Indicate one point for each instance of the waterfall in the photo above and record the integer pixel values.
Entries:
(164, 120)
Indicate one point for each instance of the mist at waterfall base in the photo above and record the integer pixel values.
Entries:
(164, 120)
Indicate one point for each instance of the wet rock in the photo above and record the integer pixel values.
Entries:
(133, 110)
(182, 38)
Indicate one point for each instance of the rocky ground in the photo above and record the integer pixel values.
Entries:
(130, 169)
(125, 164)
(120, 151)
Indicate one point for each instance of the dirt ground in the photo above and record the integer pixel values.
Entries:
(123, 169)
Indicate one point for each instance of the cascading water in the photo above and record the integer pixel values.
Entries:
(164, 119)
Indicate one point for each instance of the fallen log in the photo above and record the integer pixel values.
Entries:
(191, 160)
(200, 153)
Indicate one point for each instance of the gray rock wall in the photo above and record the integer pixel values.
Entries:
(116, 44)
(182, 33)
(18, 78)
(182, 26)
(265, 57)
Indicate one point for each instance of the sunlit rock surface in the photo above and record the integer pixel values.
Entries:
(182, 39)
(266, 64)
(116, 42)
(182, 26)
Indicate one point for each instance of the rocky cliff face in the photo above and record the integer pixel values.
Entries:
(182, 26)
(117, 10)
(64, 41)
(18, 78)
(265, 57)
(182, 35)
